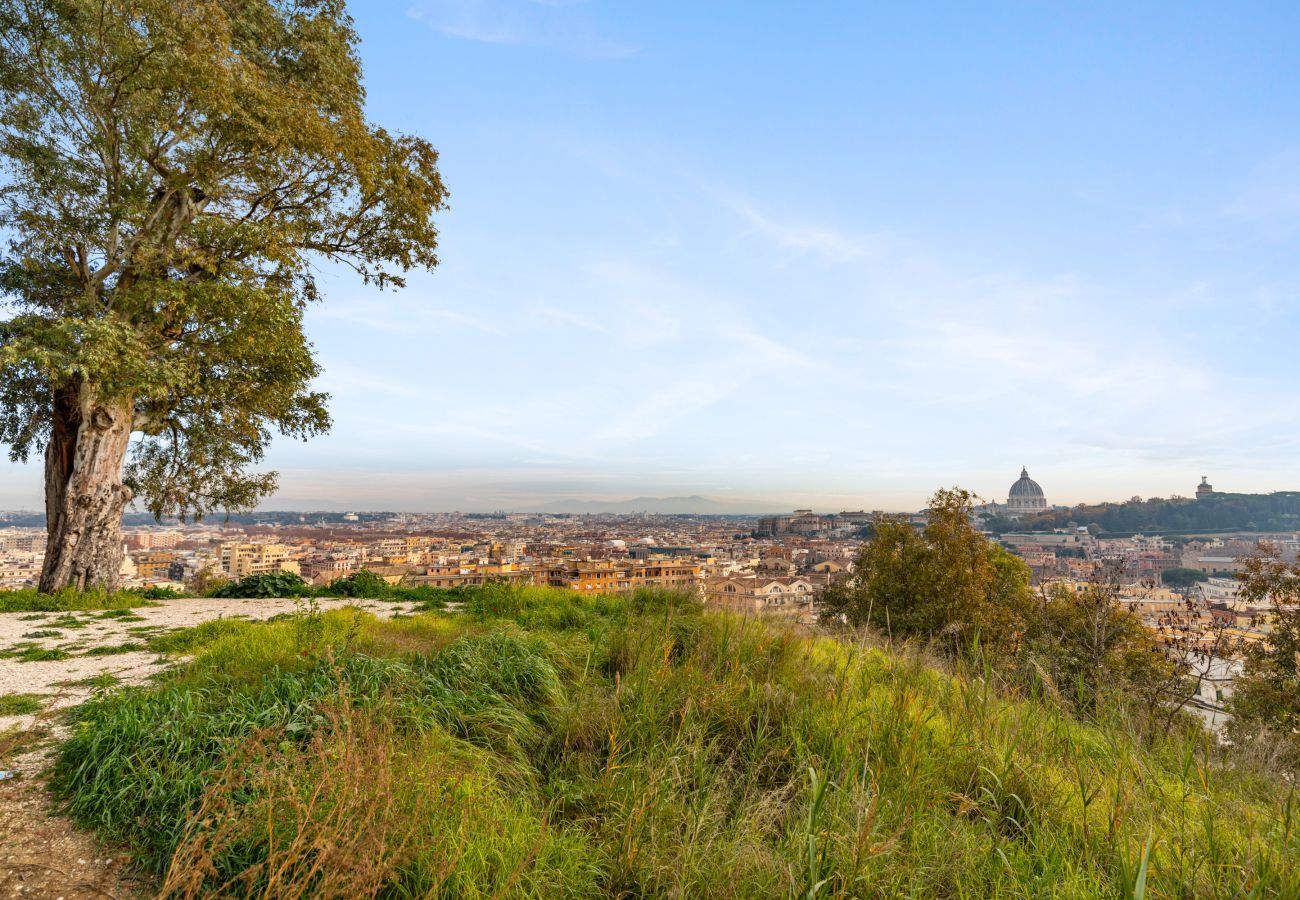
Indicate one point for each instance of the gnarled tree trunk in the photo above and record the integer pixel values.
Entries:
(84, 494)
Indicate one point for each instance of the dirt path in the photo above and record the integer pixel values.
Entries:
(41, 853)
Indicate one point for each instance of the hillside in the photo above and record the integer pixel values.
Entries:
(541, 743)
(1278, 511)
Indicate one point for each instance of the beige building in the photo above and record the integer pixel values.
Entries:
(787, 596)
(239, 560)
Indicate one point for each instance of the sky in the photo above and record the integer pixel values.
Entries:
(827, 254)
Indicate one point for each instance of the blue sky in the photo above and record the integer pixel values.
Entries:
(822, 254)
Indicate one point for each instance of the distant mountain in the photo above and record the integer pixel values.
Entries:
(692, 505)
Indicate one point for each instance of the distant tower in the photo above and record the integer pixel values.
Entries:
(1025, 496)
(1204, 489)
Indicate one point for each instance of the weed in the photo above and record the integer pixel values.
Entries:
(20, 704)
(115, 649)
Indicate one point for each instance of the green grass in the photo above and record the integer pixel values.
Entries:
(545, 744)
(20, 704)
(28, 651)
(115, 649)
(103, 681)
(28, 600)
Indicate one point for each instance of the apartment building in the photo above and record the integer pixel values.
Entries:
(598, 576)
(239, 560)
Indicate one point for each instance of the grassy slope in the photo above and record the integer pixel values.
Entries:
(546, 744)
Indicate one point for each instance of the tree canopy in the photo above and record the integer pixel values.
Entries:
(947, 581)
(173, 169)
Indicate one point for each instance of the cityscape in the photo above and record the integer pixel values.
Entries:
(776, 566)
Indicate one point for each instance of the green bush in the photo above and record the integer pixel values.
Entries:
(271, 585)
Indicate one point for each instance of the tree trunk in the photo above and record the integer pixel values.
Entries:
(84, 494)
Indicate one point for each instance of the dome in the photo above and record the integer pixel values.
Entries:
(1025, 496)
(1026, 487)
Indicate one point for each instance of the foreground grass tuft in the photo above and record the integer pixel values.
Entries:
(20, 704)
(545, 744)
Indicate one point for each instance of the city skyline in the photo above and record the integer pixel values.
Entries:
(834, 258)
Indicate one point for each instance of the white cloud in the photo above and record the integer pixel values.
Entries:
(564, 27)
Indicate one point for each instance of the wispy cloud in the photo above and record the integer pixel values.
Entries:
(568, 317)
(399, 316)
(563, 26)
(796, 239)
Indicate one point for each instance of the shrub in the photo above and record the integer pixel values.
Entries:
(270, 585)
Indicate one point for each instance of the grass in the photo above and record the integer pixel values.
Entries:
(27, 651)
(102, 681)
(546, 744)
(20, 704)
(115, 649)
(29, 600)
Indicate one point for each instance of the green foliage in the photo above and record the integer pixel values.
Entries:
(20, 704)
(156, 592)
(362, 585)
(947, 582)
(1090, 649)
(70, 600)
(273, 584)
(545, 743)
(1265, 702)
(1279, 511)
(365, 584)
(115, 649)
(1182, 578)
(174, 173)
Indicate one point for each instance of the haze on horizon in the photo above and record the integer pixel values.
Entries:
(836, 256)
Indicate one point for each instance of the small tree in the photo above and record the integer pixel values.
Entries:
(947, 582)
(1265, 703)
(1089, 646)
(174, 169)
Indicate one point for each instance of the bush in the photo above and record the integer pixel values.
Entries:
(270, 585)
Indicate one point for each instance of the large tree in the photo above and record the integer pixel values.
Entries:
(174, 169)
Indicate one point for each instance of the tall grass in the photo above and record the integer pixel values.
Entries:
(546, 744)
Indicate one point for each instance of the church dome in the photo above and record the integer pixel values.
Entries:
(1025, 496)
(1026, 487)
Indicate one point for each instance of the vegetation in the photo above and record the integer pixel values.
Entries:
(947, 583)
(173, 175)
(1182, 578)
(1265, 702)
(951, 587)
(363, 584)
(1218, 512)
(543, 743)
(20, 704)
(70, 600)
